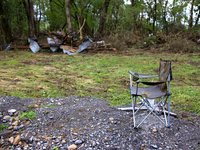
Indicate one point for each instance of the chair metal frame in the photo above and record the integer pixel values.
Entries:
(163, 99)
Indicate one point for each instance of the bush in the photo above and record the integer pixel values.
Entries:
(182, 45)
(122, 40)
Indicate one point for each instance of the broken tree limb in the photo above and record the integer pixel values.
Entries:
(20, 47)
(81, 27)
(48, 44)
(171, 113)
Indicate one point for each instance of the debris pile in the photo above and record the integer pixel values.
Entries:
(68, 43)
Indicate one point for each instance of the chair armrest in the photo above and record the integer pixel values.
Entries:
(142, 76)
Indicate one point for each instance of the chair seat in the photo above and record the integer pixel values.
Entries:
(148, 92)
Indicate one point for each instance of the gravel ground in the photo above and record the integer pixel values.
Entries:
(90, 123)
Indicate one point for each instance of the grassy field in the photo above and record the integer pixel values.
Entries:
(103, 75)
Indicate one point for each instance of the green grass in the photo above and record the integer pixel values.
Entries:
(30, 115)
(46, 75)
(55, 148)
(3, 127)
(49, 106)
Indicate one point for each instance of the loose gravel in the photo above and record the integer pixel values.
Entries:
(89, 123)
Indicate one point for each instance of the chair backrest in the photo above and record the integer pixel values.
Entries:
(164, 71)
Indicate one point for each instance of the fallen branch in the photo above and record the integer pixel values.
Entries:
(20, 47)
(171, 113)
(81, 27)
(49, 44)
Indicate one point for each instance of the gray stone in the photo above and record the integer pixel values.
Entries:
(16, 128)
(6, 117)
(11, 114)
(94, 143)
(31, 139)
(12, 110)
(11, 120)
(51, 116)
(21, 126)
(51, 100)
(78, 142)
(24, 119)
(154, 146)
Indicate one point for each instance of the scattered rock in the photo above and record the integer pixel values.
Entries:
(154, 146)
(72, 147)
(17, 139)
(78, 142)
(154, 130)
(64, 141)
(36, 106)
(6, 118)
(10, 128)
(111, 119)
(16, 128)
(15, 123)
(12, 110)
(11, 140)
(102, 127)
(24, 119)
(184, 115)
(27, 123)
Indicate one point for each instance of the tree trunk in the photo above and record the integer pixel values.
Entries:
(69, 23)
(197, 19)
(154, 17)
(28, 5)
(5, 26)
(133, 16)
(6, 29)
(165, 24)
(103, 17)
(191, 14)
(51, 24)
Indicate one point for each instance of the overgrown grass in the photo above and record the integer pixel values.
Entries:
(45, 75)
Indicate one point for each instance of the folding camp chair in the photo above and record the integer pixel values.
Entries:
(152, 90)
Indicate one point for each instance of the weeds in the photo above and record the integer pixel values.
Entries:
(49, 106)
(3, 127)
(55, 148)
(30, 115)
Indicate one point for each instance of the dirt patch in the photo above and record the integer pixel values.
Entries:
(193, 63)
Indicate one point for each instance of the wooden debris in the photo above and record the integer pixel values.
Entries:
(69, 48)
(171, 113)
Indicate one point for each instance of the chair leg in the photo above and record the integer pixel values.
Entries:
(133, 105)
(168, 111)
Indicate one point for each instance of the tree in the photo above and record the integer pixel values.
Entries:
(4, 17)
(103, 17)
(197, 10)
(69, 23)
(191, 14)
(28, 5)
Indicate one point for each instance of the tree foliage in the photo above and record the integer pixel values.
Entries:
(102, 17)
